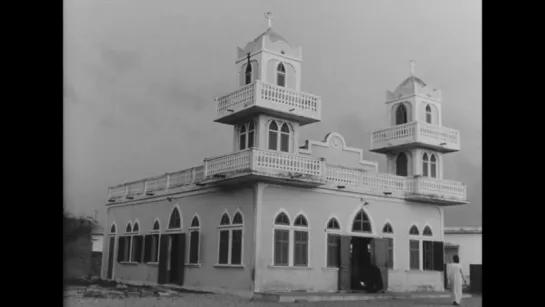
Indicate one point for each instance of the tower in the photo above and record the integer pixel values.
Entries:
(416, 141)
(268, 107)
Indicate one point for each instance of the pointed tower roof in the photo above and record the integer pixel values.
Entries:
(413, 85)
(273, 36)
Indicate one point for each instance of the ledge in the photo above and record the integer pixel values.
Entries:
(329, 269)
(129, 262)
(193, 265)
(229, 266)
(290, 267)
(152, 263)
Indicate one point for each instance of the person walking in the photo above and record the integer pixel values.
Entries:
(456, 277)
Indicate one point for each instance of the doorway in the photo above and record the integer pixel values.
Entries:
(111, 251)
(357, 256)
(172, 259)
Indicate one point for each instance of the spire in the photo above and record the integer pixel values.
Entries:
(269, 17)
(413, 64)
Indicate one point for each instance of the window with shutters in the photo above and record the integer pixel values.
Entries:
(281, 240)
(231, 240)
(136, 244)
(388, 232)
(428, 255)
(401, 114)
(246, 135)
(300, 241)
(414, 248)
(151, 244)
(194, 240)
(333, 243)
(175, 221)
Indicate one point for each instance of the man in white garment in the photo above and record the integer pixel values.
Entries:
(456, 277)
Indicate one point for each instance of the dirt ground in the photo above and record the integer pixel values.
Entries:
(212, 300)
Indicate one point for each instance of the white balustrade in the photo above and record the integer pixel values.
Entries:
(180, 178)
(199, 173)
(282, 95)
(395, 132)
(440, 133)
(273, 160)
(371, 179)
(239, 161)
(426, 185)
(117, 191)
(241, 96)
(156, 183)
(415, 130)
(136, 187)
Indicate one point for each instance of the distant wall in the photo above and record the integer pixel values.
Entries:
(77, 258)
(470, 250)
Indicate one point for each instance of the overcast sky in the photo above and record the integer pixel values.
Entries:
(141, 76)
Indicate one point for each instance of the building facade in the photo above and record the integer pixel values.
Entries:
(275, 216)
(467, 243)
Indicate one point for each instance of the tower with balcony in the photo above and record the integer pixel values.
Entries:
(416, 141)
(268, 108)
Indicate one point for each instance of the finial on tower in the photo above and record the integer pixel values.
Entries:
(412, 67)
(269, 17)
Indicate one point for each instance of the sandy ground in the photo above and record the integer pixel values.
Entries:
(213, 300)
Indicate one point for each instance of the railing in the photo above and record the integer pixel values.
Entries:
(117, 191)
(156, 184)
(268, 95)
(239, 161)
(243, 95)
(426, 185)
(396, 132)
(440, 133)
(180, 178)
(273, 160)
(371, 179)
(415, 130)
(282, 95)
(135, 188)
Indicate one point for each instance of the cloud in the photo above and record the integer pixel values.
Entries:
(121, 62)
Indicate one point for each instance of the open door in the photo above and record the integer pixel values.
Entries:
(379, 252)
(111, 251)
(345, 277)
(178, 257)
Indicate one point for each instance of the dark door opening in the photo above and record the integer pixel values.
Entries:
(111, 251)
(172, 259)
(360, 259)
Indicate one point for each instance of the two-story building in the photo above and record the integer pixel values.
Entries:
(274, 216)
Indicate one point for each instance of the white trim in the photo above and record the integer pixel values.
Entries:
(190, 230)
(282, 210)
(110, 230)
(230, 228)
(129, 223)
(221, 217)
(196, 215)
(156, 230)
(241, 215)
(187, 190)
(352, 216)
(338, 223)
(279, 133)
(426, 236)
(136, 221)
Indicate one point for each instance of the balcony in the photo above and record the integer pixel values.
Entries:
(265, 164)
(260, 97)
(413, 134)
(256, 164)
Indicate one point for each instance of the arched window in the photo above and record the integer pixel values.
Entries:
(248, 74)
(225, 220)
(333, 224)
(427, 231)
(425, 165)
(242, 137)
(175, 220)
(136, 227)
(333, 243)
(285, 138)
(129, 227)
(401, 115)
(230, 236)
(281, 75)
(361, 222)
(156, 226)
(428, 114)
(151, 244)
(433, 166)
(281, 240)
(112, 229)
(237, 219)
(300, 243)
(273, 135)
(194, 240)
(402, 165)
(414, 249)
(251, 132)
(388, 230)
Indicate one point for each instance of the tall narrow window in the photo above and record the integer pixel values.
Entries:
(285, 138)
(414, 249)
(402, 165)
(112, 229)
(433, 166)
(236, 245)
(300, 242)
(194, 238)
(401, 115)
(281, 240)
(425, 165)
(428, 114)
(333, 243)
(428, 255)
(281, 75)
(151, 245)
(224, 247)
(361, 222)
(388, 231)
(230, 240)
(242, 137)
(248, 74)
(251, 132)
(273, 135)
